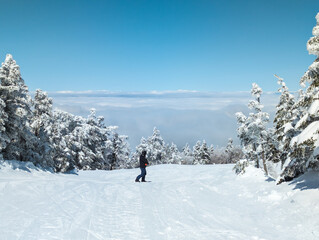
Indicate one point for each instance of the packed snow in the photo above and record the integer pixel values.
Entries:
(181, 202)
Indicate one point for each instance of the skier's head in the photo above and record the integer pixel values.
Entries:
(144, 153)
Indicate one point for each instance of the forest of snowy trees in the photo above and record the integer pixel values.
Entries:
(291, 146)
(31, 130)
(158, 152)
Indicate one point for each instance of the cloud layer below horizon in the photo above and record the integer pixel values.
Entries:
(181, 116)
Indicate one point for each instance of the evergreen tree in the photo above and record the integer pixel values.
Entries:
(197, 153)
(15, 95)
(304, 153)
(174, 156)
(42, 115)
(92, 143)
(283, 125)
(81, 144)
(4, 139)
(229, 151)
(186, 150)
(211, 151)
(156, 151)
(59, 132)
(121, 152)
(204, 153)
(252, 130)
(187, 155)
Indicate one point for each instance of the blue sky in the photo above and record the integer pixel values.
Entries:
(144, 45)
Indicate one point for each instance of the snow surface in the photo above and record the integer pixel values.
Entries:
(182, 202)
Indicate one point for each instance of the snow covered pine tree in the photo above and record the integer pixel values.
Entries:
(42, 116)
(204, 153)
(121, 152)
(187, 155)
(283, 124)
(173, 156)
(196, 153)
(4, 139)
(252, 132)
(230, 151)
(19, 142)
(304, 154)
(156, 148)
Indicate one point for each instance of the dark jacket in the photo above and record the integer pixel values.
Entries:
(143, 161)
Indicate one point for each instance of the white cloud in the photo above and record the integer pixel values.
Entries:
(181, 116)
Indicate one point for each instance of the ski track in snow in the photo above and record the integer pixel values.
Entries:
(181, 202)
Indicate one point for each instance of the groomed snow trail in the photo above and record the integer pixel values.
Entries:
(181, 202)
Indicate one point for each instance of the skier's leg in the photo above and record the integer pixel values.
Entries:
(144, 174)
(139, 176)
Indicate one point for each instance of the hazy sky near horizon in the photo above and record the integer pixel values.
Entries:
(182, 117)
(144, 45)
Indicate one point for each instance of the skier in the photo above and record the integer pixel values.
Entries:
(143, 165)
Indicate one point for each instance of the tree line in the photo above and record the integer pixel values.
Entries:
(31, 130)
(158, 152)
(291, 147)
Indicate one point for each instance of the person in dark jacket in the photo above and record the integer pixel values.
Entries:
(143, 165)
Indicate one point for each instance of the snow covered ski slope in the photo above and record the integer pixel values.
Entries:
(181, 202)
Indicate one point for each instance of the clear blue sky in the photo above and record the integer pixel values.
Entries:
(142, 45)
